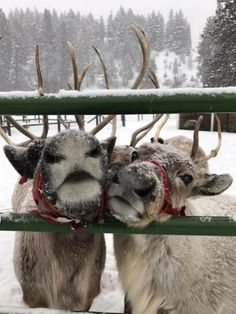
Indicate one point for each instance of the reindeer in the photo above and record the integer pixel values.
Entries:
(64, 180)
(67, 174)
(163, 273)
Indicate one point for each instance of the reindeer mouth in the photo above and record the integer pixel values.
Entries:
(124, 211)
(78, 176)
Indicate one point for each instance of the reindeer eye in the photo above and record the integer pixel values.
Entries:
(186, 179)
(52, 159)
(94, 152)
(134, 156)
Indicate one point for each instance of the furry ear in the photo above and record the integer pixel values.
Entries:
(108, 145)
(24, 159)
(213, 184)
(17, 157)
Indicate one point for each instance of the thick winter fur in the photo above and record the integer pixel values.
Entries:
(170, 274)
(61, 270)
(185, 144)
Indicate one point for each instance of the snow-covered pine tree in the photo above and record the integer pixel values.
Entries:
(156, 31)
(5, 52)
(219, 68)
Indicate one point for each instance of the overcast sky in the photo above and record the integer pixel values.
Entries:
(196, 11)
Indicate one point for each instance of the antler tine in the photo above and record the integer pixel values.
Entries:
(38, 70)
(77, 80)
(102, 124)
(74, 63)
(80, 118)
(145, 47)
(153, 77)
(82, 74)
(103, 67)
(214, 152)
(158, 131)
(45, 127)
(6, 138)
(114, 119)
(9, 141)
(20, 128)
(63, 122)
(135, 139)
(40, 91)
(196, 138)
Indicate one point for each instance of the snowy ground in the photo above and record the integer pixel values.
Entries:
(111, 298)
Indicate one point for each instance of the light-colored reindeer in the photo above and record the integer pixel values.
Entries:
(67, 174)
(163, 273)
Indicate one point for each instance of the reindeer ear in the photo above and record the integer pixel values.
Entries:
(24, 159)
(213, 184)
(108, 145)
(17, 157)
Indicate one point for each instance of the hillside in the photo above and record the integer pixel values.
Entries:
(177, 70)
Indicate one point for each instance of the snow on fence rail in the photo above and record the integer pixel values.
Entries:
(121, 101)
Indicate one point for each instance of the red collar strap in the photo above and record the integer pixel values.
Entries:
(167, 207)
(47, 210)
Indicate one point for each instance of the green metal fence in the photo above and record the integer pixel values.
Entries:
(123, 102)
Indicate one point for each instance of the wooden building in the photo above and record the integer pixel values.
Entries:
(228, 121)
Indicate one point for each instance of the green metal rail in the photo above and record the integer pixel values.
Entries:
(210, 226)
(121, 102)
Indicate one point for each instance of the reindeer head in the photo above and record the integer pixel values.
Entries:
(156, 186)
(71, 169)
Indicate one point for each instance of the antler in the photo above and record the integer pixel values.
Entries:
(103, 67)
(135, 139)
(157, 134)
(102, 124)
(114, 119)
(145, 47)
(17, 125)
(213, 152)
(153, 77)
(6, 138)
(40, 91)
(78, 79)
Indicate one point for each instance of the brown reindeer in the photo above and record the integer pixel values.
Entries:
(162, 273)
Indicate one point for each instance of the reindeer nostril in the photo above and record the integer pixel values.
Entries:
(144, 192)
(116, 179)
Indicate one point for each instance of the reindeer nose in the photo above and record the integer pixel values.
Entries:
(145, 192)
(116, 179)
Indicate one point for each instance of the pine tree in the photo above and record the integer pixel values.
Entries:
(219, 67)
(156, 31)
(170, 32)
(5, 53)
(206, 50)
(48, 53)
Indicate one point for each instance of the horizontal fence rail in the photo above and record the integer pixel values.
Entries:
(204, 226)
(121, 101)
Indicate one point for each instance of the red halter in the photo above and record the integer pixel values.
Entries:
(167, 207)
(47, 210)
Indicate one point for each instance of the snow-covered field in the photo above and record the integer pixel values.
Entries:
(111, 297)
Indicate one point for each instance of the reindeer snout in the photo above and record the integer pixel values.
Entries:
(140, 181)
(145, 191)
